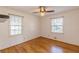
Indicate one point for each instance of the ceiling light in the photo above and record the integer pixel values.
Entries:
(42, 13)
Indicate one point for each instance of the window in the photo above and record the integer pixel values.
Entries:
(57, 25)
(15, 25)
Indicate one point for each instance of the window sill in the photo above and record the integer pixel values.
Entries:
(15, 35)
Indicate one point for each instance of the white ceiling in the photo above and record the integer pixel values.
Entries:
(30, 9)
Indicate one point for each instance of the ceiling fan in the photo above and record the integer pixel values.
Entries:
(43, 10)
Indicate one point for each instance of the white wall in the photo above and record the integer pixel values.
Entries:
(31, 29)
(71, 27)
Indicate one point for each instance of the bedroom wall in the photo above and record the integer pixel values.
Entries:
(30, 28)
(71, 27)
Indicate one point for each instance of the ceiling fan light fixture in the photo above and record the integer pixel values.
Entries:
(42, 13)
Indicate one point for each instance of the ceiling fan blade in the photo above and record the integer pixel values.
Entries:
(35, 12)
(50, 11)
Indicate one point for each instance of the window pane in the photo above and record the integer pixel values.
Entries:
(12, 32)
(18, 20)
(19, 32)
(15, 23)
(14, 27)
(58, 29)
(12, 20)
(19, 27)
(59, 21)
(15, 20)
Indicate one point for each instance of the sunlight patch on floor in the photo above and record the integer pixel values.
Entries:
(56, 49)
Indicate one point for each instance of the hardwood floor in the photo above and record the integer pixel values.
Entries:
(42, 45)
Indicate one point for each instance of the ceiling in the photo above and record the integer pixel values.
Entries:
(30, 9)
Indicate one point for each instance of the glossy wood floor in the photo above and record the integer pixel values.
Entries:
(42, 45)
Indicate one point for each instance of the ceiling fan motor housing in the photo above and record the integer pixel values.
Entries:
(42, 9)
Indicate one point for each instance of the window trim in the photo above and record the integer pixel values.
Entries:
(51, 25)
(9, 29)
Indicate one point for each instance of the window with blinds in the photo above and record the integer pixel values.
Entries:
(15, 24)
(57, 25)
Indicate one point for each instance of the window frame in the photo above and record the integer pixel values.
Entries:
(9, 26)
(62, 25)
